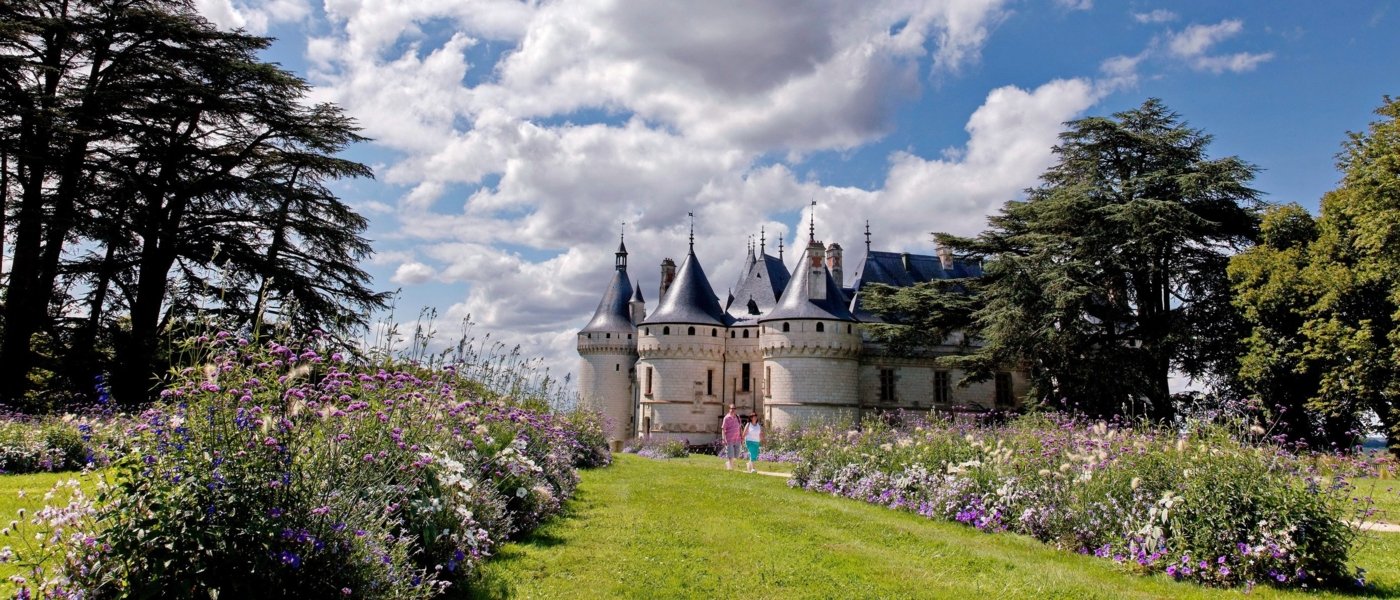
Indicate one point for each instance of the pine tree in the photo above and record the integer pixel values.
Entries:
(1111, 274)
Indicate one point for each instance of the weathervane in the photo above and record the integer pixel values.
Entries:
(692, 232)
(812, 224)
(867, 236)
(762, 240)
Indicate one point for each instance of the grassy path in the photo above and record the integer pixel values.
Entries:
(688, 529)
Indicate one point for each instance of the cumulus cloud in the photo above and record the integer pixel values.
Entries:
(1193, 46)
(525, 132)
(411, 273)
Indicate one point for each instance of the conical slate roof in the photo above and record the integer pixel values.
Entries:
(796, 301)
(613, 314)
(637, 293)
(761, 281)
(690, 298)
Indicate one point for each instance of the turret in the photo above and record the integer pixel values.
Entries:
(680, 368)
(811, 347)
(638, 305)
(608, 347)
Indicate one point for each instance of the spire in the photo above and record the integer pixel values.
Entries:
(867, 236)
(762, 240)
(812, 224)
(780, 246)
(621, 262)
(751, 247)
(692, 232)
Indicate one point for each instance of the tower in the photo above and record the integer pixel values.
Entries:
(668, 276)
(680, 367)
(833, 264)
(608, 348)
(811, 348)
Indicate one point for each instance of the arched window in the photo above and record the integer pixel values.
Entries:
(821, 327)
(746, 334)
(731, 335)
(787, 327)
(714, 333)
(690, 331)
(646, 331)
(666, 330)
(607, 336)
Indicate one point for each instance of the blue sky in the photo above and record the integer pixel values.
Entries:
(512, 138)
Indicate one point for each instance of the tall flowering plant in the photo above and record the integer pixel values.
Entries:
(1202, 504)
(269, 469)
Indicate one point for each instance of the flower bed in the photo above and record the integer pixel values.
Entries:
(1202, 505)
(60, 443)
(281, 472)
(657, 448)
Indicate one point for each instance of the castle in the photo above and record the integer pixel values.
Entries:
(786, 345)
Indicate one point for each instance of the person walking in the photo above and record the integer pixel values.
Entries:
(730, 435)
(753, 438)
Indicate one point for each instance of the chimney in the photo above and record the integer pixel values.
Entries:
(816, 275)
(833, 264)
(668, 275)
(945, 256)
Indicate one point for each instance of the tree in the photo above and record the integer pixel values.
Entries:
(1111, 273)
(1275, 289)
(165, 170)
(1351, 328)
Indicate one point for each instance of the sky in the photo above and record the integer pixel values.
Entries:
(512, 139)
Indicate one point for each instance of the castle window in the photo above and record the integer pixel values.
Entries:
(942, 387)
(666, 330)
(1003, 391)
(887, 385)
(648, 387)
(646, 331)
(629, 336)
(607, 336)
(747, 372)
(848, 329)
(710, 382)
(768, 382)
(787, 327)
(690, 331)
(590, 336)
(617, 367)
(821, 327)
(731, 335)
(714, 333)
(746, 334)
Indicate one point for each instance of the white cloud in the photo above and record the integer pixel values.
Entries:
(412, 273)
(1193, 44)
(256, 17)
(504, 197)
(1160, 15)
(1076, 4)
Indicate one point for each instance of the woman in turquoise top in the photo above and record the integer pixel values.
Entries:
(753, 437)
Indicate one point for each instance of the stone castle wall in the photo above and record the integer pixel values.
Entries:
(605, 380)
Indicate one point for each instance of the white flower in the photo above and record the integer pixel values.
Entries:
(520, 492)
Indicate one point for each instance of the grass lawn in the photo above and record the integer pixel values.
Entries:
(1386, 494)
(34, 486)
(687, 529)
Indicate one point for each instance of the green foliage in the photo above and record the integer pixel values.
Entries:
(163, 168)
(923, 316)
(1115, 265)
(1322, 299)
